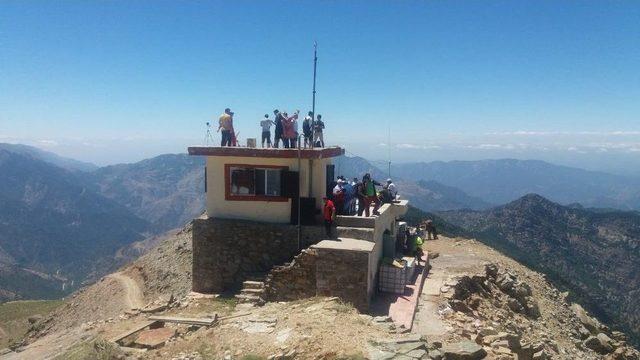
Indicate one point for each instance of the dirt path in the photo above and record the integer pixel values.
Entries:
(133, 295)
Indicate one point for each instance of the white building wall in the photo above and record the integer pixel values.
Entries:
(267, 211)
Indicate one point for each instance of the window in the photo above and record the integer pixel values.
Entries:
(246, 182)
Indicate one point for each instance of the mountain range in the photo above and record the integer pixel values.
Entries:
(594, 254)
(55, 232)
(500, 181)
(68, 225)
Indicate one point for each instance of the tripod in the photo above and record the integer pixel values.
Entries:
(208, 137)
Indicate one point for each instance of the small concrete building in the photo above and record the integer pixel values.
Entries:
(249, 240)
(262, 184)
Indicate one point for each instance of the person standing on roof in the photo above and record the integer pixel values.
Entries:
(266, 124)
(288, 125)
(318, 127)
(306, 129)
(225, 125)
(393, 190)
(329, 214)
(277, 135)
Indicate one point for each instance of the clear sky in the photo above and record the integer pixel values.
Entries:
(112, 81)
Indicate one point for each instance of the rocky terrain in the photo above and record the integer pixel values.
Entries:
(479, 301)
(487, 306)
(594, 254)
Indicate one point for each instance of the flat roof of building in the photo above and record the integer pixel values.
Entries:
(316, 153)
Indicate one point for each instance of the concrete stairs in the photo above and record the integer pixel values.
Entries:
(355, 233)
(356, 221)
(252, 292)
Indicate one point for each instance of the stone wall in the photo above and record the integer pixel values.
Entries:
(226, 252)
(294, 281)
(343, 274)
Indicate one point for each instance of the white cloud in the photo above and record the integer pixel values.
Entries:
(563, 133)
(417, 146)
(47, 143)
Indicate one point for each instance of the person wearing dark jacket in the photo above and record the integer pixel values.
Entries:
(359, 186)
(277, 135)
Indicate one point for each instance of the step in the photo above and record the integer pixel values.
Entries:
(252, 291)
(249, 299)
(356, 233)
(356, 221)
(249, 284)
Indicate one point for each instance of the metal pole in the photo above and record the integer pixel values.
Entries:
(299, 205)
(313, 103)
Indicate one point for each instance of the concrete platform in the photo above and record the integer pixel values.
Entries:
(356, 233)
(347, 244)
(402, 307)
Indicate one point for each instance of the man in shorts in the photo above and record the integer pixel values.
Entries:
(266, 124)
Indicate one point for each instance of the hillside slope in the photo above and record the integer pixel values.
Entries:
(323, 327)
(54, 229)
(594, 254)
(49, 157)
(166, 190)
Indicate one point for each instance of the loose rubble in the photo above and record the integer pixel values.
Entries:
(496, 311)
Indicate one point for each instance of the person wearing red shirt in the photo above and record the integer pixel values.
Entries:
(328, 213)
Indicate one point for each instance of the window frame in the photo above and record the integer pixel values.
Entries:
(228, 196)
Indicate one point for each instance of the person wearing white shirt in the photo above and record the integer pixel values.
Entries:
(393, 190)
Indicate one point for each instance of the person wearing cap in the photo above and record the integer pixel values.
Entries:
(328, 214)
(393, 190)
(225, 123)
(384, 196)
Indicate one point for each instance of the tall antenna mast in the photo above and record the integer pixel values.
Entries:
(313, 103)
(389, 147)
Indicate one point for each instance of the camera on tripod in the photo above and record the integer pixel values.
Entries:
(208, 137)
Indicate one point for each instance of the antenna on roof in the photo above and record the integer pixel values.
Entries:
(313, 102)
(389, 147)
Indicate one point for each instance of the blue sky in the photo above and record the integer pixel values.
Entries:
(112, 81)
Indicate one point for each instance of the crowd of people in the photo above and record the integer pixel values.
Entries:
(286, 130)
(346, 197)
